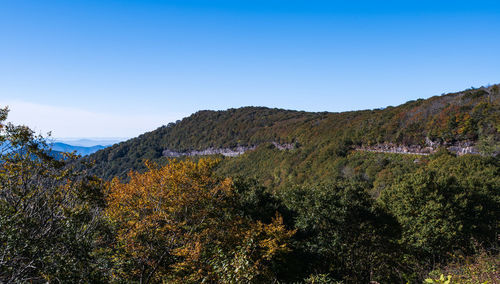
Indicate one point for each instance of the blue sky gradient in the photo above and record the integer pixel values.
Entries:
(119, 68)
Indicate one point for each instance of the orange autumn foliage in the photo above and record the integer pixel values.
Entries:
(181, 223)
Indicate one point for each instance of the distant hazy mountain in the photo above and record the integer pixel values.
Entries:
(82, 146)
(58, 147)
(89, 142)
(81, 150)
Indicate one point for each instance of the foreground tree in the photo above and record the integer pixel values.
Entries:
(448, 205)
(50, 228)
(342, 234)
(181, 223)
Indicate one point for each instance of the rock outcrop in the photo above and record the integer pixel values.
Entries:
(460, 148)
(228, 152)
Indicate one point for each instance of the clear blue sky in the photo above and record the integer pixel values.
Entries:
(119, 68)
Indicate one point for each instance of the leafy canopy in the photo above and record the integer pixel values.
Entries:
(181, 223)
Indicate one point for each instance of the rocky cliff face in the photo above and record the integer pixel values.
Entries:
(228, 152)
(210, 151)
(460, 148)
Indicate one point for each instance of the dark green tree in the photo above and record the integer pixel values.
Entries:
(50, 224)
(447, 205)
(342, 233)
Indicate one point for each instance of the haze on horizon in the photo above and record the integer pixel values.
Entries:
(120, 68)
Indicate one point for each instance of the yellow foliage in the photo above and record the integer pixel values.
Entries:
(442, 279)
(172, 220)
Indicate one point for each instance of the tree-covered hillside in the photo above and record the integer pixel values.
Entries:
(469, 116)
(323, 211)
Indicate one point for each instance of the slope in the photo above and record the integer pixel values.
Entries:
(470, 117)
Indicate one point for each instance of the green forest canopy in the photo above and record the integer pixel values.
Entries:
(318, 213)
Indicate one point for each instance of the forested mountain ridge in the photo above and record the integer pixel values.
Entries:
(304, 202)
(471, 116)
